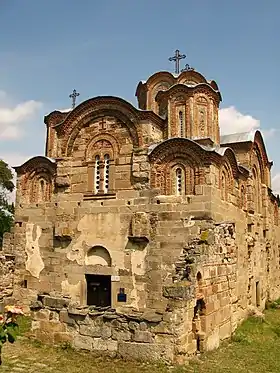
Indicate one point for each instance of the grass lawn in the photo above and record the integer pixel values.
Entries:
(255, 348)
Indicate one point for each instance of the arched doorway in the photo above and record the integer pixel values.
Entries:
(98, 285)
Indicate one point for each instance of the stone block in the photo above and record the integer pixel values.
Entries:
(82, 342)
(142, 336)
(103, 345)
(96, 331)
(179, 292)
(55, 302)
(52, 326)
(43, 314)
(64, 317)
(121, 335)
(152, 316)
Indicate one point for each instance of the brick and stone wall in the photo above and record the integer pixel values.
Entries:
(195, 252)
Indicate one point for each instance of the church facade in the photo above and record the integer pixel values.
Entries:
(143, 232)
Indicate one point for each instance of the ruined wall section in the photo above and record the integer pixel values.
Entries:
(7, 268)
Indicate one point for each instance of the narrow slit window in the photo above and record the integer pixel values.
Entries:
(179, 181)
(181, 124)
(42, 190)
(97, 174)
(106, 173)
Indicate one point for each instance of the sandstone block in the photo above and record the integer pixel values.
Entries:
(55, 302)
(142, 336)
(121, 335)
(102, 345)
(96, 331)
(64, 317)
(152, 316)
(43, 314)
(82, 342)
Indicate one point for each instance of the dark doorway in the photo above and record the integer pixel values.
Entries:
(98, 290)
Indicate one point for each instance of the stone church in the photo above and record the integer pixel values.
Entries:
(143, 232)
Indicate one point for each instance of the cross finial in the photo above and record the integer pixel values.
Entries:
(177, 59)
(73, 96)
(187, 68)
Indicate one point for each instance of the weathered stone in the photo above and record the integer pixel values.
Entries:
(35, 305)
(133, 325)
(142, 336)
(96, 331)
(101, 345)
(121, 335)
(54, 302)
(179, 292)
(82, 342)
(152, 316)
(43, 314)
(64, 317)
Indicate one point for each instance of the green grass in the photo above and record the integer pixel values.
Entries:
(254, 348)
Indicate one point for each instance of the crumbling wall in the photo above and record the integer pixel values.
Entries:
(130, 334)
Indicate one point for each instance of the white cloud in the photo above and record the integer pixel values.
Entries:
(276, 183)
(65, 110)
(13, 116)
(232, 121)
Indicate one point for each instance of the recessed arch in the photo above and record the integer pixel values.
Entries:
(98, 255)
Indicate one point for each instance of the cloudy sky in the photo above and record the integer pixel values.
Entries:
(105, 47)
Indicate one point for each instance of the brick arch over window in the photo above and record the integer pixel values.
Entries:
(90, 110)
(40, 187)
(226, 181)
(256, 189)
(243, 196)
(173, 154)
(258, 148)
(176, 177)
(36, 179)
(101, 154)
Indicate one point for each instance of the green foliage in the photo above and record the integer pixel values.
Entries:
(24, 324)
(272, 304)
(6, 208)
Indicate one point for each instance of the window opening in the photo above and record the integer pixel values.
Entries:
(106, 173)
(179, 181)
(258, 294)
(97, 174)
(181, 124)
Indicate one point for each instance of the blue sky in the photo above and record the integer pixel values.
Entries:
(47, 48)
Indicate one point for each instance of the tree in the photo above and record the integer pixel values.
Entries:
(6, 207)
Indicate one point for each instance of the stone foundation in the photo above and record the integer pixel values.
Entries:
(129, 334)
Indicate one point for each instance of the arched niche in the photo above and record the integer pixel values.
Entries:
(98, 255)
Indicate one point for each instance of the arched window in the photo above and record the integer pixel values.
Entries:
(97, 174)
(106, 172)
(179, 181)
(243, 197)
(181, 124)
(42, 189)
(223, 186)
(256, 191)
(276, 214)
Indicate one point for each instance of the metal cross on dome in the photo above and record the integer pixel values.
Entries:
(177, 59)
(73, 96)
